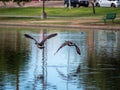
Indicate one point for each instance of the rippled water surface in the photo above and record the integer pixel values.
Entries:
(23, 66)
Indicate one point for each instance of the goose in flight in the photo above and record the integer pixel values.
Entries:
(40, 44)
(69, 43)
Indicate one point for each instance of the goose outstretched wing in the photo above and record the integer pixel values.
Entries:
(48, 37)
(28, 36)
(64, 44)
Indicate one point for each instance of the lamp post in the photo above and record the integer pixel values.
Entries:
(69, 3)
(43, 15)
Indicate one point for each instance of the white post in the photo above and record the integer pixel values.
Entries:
(69, 3)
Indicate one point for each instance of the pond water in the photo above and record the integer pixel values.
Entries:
(23, 66)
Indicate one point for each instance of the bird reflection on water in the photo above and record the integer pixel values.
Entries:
(41, 45)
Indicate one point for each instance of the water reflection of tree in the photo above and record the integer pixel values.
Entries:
(101, 71)
(106, 72)
(104, 65)
(13, 56)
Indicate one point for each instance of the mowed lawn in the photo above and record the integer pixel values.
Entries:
(59, 12)
(34, 13)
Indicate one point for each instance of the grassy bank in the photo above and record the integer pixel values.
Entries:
(58, 12)
(70, 16)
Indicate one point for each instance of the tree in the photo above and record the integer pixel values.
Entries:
(21, 1)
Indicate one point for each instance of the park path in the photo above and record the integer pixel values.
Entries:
(35, 4)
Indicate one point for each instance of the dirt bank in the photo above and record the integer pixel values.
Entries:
(76, 24)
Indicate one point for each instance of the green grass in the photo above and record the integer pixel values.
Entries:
(58, 12)
(33, 14)
(20, 11)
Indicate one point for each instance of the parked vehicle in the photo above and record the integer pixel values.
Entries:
(76, 3)
(107, 3)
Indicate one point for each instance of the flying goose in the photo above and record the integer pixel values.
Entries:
(40, 44)
(69, 43)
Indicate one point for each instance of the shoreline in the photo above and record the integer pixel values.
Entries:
(102, 27)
